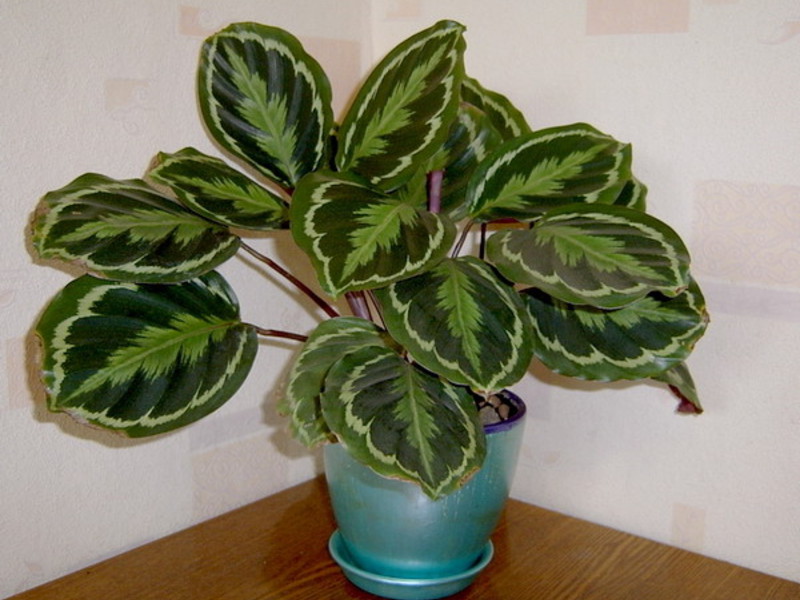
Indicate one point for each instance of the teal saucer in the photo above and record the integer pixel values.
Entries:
(398, 588)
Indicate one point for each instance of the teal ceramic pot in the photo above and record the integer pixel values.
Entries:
(391, 529)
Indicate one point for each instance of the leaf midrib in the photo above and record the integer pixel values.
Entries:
(136, 359)
(603, 262)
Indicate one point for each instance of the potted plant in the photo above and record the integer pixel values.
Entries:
(466, 244)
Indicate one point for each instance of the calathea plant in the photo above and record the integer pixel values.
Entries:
(564, 265)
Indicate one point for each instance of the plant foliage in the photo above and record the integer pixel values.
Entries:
(574, 272)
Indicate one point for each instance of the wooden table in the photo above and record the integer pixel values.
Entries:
(276, 549)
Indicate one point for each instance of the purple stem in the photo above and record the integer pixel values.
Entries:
(461, 239)
(329, 310)
(358, 304)
(435, 191)
(288, 335)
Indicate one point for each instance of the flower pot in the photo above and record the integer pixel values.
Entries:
(396, 542)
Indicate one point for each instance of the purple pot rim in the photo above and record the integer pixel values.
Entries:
(508, 424)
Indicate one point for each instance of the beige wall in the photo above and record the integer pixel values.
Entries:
(705, 90)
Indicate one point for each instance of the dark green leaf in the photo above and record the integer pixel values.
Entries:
(218, 192)
(125, 230)
(403, 422)
(461, 321)
(358, 237)
(506, 119)
(264, 99)
(633, 195)
(680, 381)
(471, 139)
(602, 255)
(144, 359)
(638, 341)
(538, 171)
(330, 341)
(402, 113)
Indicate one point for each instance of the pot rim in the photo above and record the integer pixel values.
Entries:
(511, 422)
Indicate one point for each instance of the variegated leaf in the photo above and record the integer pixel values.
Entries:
(330, 341)
(264, 99)
(506, 119)
(402, 113)
(461, 321)
(633, 195)
(144, 359)
(538, 171)
(601, 255)
(402, 421)
(680, 381)
(641, 340)
(125, 230)
(383, 239)
(471, 139)
(219, 192)
(415, 191)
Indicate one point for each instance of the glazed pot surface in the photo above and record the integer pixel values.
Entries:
(391, 528)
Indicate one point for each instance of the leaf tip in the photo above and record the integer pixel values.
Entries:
(685, 406)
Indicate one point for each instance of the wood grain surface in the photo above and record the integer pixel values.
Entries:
(276, 549)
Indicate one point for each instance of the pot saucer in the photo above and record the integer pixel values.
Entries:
(402, 588)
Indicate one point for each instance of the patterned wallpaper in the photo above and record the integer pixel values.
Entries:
(610, 17)
(730, 248)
